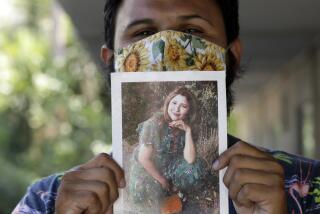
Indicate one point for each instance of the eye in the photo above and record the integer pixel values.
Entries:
(144, 33)
(193, 31)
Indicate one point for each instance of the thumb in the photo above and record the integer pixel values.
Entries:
(242, 209)
(105, 160)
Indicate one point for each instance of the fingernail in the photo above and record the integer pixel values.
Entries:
(216, 165)
(122, 183)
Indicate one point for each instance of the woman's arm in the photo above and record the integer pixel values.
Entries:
(145, 159)
(189, 151)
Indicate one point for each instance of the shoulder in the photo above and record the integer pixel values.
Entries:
(155, 121)
(232, 140)
(40, 196)
(157, 118)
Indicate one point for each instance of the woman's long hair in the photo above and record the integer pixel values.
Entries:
(193, 106)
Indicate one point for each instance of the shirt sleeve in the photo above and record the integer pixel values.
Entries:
(149, 132)
(40, 197)
(302, 182)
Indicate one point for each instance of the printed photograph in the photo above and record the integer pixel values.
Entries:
(170, 138)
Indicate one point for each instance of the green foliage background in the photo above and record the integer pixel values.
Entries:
(53, 112)
(141, 100)
(54, 109)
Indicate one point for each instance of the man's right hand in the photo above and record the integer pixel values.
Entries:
(91, 188)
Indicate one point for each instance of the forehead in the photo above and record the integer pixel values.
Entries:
(149, 7)
(180, 98)
(165, 13)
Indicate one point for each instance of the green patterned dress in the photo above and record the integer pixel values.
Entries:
(168, 146)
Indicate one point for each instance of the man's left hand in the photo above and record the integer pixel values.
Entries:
(254, 178)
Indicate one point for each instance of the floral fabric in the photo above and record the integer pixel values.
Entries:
(302, 179)
(170, 51)
(40, 197)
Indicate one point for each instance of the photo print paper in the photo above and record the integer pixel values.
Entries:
(168, 128)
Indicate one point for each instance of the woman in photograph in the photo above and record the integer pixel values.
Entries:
(165, 161)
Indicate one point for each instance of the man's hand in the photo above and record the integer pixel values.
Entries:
(91, 187)
(254, 178)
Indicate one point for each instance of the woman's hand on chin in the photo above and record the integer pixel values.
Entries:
(180, 124)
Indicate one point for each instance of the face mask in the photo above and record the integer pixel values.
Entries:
(170, 51)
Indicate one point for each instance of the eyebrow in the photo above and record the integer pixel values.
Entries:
(140, 22)
(195, 16)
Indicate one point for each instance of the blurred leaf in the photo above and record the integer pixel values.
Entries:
(52, 112)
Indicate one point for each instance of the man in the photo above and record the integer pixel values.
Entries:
(257, 182)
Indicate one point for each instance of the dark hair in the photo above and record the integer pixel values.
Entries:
(193, 107)
(229, 9)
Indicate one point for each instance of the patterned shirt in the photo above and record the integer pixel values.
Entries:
(302, 184)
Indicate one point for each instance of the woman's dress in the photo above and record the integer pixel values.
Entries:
(168, 145)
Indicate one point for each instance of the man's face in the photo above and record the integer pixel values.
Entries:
(137, 19)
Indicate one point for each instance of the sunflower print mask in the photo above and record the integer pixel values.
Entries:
(170, 51)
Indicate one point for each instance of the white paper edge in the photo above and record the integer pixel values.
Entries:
(116, 111)
(223, 142)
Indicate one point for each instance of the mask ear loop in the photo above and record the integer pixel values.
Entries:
(229, 47)
(225, 54)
